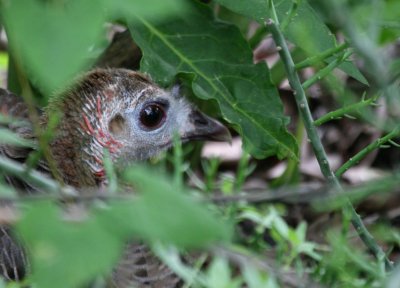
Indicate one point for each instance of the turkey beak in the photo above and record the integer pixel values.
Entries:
(207, 128)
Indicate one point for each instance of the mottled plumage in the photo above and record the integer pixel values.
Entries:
(134, 119)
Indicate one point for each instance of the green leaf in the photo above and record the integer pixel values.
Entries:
(219, 275)
(379, 19)
(65, 37)
(53, 41)
(154, 10)
(3, 60)
(218, 61)
(66, 254)
(164, 213)
(70, 253)
(255, 278)
(305, 28)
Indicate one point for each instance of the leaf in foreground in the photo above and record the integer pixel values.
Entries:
(65, 254)
(164, 213)
(53, 42)
(71, 253)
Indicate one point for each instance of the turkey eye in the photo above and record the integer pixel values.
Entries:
(152, 116)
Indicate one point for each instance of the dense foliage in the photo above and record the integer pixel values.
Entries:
(207, 47)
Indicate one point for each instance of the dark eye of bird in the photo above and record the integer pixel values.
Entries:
(152, 116)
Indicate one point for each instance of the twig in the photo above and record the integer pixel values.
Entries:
(32, 176)
(320, 57)
(319, 151)
(376, 62)
(343, 111)
(326, 70)
(360, 155)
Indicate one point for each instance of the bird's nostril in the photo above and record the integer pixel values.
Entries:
(199, 119)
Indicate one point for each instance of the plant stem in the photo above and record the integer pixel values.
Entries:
(344, 110)
(375, 61)
(326, 70)
(360, 155)
(110, 172)
(319, 151)
(291, 14)
(36, 178)
(320, 57)
(178, 162)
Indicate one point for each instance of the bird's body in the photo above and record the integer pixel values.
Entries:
(118, 110)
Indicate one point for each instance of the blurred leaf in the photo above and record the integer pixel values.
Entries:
(305, 28)
(66, 254)
(3, 60)
(219, 275)
(7, 191)
(282, 228)
(77, 251)
(154, 10)
(380, 18)
(256, 279)
(218, 61)
(53, 41)
(346, 265)
(164, 213)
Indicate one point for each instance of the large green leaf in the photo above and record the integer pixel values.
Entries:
(55, 40)
(155, 10)
(305, 28)
(219, 62)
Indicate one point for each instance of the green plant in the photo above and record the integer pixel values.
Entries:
(185, 40)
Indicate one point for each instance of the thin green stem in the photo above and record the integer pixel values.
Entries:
(319, 151)
(360, 155)
(320, 57)
(301, 101)
(178, 162)
(110, 172)
(343, 111)
(325, 71)
(291, 15)
(271, 7)
(376, 61)
(32, 176)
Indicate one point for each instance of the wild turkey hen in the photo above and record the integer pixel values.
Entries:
(134, 119)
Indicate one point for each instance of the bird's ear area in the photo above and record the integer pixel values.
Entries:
(117, 125)
(206, 128)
